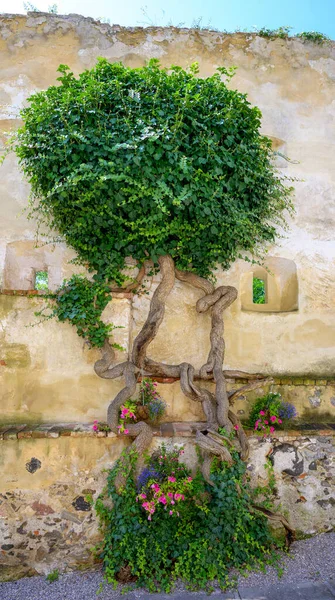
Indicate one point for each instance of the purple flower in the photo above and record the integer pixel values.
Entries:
(287, 411)
(147, 474)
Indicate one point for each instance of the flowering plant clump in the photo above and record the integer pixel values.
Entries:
(287, 411)
(150, 398)
(166, 484)
(167, 495)
(177, 526)
(147, 474)
(268, 412)
(127, 415)
(98, 426)
(265, 424)
(166, 461)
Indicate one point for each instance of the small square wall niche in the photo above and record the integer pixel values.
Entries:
(272, 288)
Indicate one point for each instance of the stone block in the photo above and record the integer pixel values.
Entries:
(287, 458)
(3, 430)
(167, 429)
(26, 433)
(183, 429)
(11, 434)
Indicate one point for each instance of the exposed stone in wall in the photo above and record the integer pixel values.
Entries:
(46, 517)
(304, 469)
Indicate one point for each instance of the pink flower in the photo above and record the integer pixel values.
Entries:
(273, 419)
(189, 479)
(266, 422)
(126, 431)
(262, 413)
(171, 512)
(149, 518)
(95, 421)
(172, 502)
(177, 496)
(155, 487)
(172, 479)
(95, 427)
(125, 411)
(272, 429)
(236, 427)
(143, 496)
(280, 421)
(162, 499)
(170, 495)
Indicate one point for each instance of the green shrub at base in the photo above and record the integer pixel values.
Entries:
(210, 531)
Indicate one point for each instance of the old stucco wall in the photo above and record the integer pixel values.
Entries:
(47, 484)
(46, 371)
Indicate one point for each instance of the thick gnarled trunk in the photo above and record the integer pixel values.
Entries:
(216, 406)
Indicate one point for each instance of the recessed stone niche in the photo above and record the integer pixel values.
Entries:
(280, 283)
(23, 260)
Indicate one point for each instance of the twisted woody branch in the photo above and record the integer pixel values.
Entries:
(217, 405)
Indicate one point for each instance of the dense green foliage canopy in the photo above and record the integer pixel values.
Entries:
(150, 161)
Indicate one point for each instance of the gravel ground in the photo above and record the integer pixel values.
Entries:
(311, 560)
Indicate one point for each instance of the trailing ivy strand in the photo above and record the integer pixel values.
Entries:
(81, 302)
(147, 162)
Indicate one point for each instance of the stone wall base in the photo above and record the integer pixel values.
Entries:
(47, 520)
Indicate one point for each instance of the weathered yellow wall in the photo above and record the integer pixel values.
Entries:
(46, 372)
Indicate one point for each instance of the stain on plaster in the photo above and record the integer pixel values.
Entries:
(33, 465)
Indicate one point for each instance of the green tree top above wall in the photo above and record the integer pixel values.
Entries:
(147, 162)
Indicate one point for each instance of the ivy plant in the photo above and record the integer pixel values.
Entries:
(150, 161)
(146, 162)
(198, 537)
(81, 302)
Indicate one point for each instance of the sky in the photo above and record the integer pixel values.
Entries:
(301, 15)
